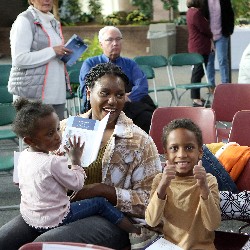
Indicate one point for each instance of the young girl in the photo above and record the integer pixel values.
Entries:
(184, 197)
(44, 178)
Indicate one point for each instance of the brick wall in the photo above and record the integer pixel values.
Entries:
(135, 38)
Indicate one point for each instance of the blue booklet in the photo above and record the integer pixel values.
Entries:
(77, 45)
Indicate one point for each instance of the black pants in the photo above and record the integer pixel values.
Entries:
(197, 75)
(141, 112)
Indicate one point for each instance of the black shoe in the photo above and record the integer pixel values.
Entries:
(208, 105)
(203, 101)
(195, 104)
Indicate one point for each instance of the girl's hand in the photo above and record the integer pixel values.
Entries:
(200, 175)
(75, 151)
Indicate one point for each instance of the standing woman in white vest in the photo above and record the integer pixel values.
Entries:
(36, 44)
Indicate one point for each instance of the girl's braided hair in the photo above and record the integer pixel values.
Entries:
(28, 115)
(104, 69)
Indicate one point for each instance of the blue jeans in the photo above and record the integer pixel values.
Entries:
(221, 48)
(89, 207)
(213, 166)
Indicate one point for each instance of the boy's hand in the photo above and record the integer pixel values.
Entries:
(75, 151)
(167, 175)
(169, 172)
(200, 175)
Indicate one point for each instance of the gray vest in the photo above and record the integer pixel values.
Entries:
(29, 82)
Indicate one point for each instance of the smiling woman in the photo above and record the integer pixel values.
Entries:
(122, 174)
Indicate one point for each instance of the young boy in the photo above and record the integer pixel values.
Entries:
(184, 197)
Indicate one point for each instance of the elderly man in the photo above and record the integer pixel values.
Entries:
(139, 106)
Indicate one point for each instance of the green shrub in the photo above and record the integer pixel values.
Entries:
(241, 11)
(94, 48)
(137, 17)
(116, 18)
(181, 20)
(70, 12)
(145, 7)
(95, 8)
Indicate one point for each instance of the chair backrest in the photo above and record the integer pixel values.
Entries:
(60, 246)
(5, 96)
(182, 59)
(230, 98)
(240, 128)
(159, 65)
(76, 66)
(4, 74)
(74, 76)
(153, 61)
(148, 71)
(7, 114)
(203, 117)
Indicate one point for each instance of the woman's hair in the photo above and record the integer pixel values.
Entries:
(102, 69)
(182, 123)
(194, 3)
(28, 114)
(105, 29)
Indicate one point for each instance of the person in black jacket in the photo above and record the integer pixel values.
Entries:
(221, 17)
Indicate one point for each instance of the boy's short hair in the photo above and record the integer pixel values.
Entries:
(182, 123)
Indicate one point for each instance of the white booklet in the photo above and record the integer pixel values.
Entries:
(15, 171)
(77, 45)
(162, 243)
(47, 246)
(90, 131)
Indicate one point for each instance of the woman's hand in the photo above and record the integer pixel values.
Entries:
(60, 50)
(75, 151)
(94, 190)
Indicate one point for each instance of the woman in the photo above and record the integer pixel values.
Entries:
(123, 172)
(199, 41)
(37, 44)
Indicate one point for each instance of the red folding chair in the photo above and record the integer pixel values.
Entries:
(203, 117)
(228, 99)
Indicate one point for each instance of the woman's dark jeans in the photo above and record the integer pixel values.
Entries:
(214, 167)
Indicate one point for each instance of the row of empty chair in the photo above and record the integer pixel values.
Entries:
(7, 115)
(170, 81)
(229, 99)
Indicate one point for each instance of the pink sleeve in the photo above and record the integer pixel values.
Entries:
(72, 179)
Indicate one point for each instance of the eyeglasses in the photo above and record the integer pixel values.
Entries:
(111, 40)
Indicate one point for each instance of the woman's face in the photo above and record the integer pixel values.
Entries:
(107, 95)
(43, 5)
